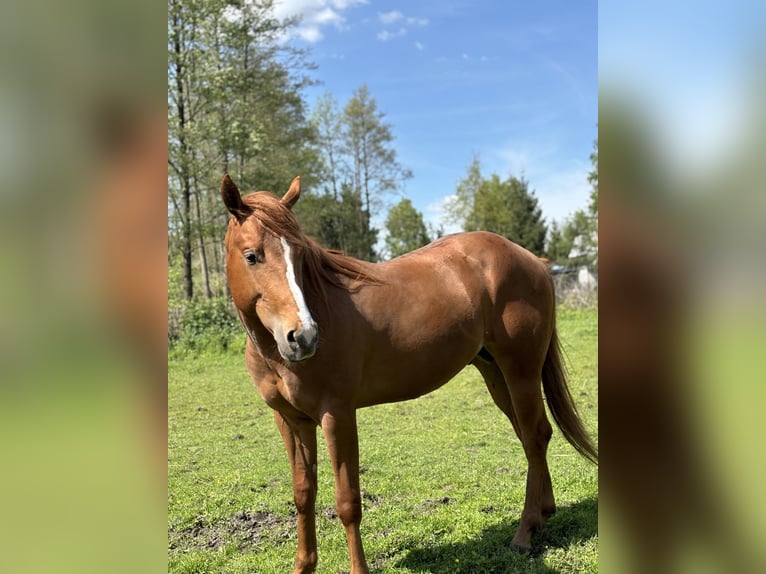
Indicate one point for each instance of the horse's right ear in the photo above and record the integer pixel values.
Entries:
(233, 200)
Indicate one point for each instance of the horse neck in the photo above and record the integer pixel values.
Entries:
(257, 333)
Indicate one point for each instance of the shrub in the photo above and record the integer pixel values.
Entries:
(572, 295)
(203, 325)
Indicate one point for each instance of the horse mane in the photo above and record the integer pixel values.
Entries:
(322, 265)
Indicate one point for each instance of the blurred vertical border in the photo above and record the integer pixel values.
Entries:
(682, 290)
(83, 223)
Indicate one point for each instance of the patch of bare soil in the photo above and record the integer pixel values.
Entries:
(245, 529)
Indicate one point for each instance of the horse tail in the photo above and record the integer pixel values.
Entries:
(560, 402)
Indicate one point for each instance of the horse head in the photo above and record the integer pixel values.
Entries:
(264, 266)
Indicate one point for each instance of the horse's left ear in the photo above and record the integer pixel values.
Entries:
(293, 194)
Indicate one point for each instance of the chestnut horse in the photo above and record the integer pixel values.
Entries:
(328, 334)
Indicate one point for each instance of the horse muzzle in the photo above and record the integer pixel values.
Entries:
(300, 344)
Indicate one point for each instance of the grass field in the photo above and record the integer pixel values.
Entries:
(443, 478)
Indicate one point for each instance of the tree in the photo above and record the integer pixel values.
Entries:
(326, 120)
(558, 245)
(459, 209)
(358, 236)
(576, 243)
(338, 223)
(359, 169)
(406, 229)
(507, 207)
(372, 167)
(581, 229)
(578, 236)
(593, 180)
(234, 105)
(184, 63)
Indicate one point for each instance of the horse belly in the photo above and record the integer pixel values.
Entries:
(407, 371)
(426, 325)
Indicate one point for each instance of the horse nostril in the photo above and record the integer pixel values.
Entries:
(291, 337)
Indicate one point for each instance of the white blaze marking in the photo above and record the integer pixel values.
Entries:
(303, 311)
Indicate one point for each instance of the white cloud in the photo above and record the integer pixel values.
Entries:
(563, 191)
(436, 215)
(327, 16)
(287, 8)
(405, 22)
(343, 4)
(309, 33)
(390, 17)
(385, 35)
(315, 14)
(417, 22)
(419, 46)
(515, 160)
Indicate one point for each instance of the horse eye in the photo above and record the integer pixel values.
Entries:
(251, 258)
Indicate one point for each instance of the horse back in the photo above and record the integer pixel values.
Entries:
(434, 310)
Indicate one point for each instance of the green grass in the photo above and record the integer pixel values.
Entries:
(443, 478)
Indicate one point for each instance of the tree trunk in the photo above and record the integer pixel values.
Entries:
(186, 239)
(203, 255)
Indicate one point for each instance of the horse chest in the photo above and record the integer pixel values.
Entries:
(281, 394)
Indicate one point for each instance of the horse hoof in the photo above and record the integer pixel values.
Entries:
(520, 549)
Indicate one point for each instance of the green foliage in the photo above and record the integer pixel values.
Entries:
(507, 207)
(559, 244)
(580, 232)
(203, 325)
(235, 105)
(593, 180)
(327, 122)
(576, 244)
(406, 229)
(360, 168)
(443, 477)
(372, 167)
(339, 223)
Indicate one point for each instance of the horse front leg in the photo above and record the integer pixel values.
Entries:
(343, 445)
(299, 436)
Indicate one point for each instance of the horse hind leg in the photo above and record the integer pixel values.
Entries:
(518, 393)
(526, 394)
(498, 389)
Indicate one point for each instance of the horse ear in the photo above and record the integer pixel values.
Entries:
(293, 194)
(232, 199)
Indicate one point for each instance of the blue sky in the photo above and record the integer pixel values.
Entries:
(512, 82)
